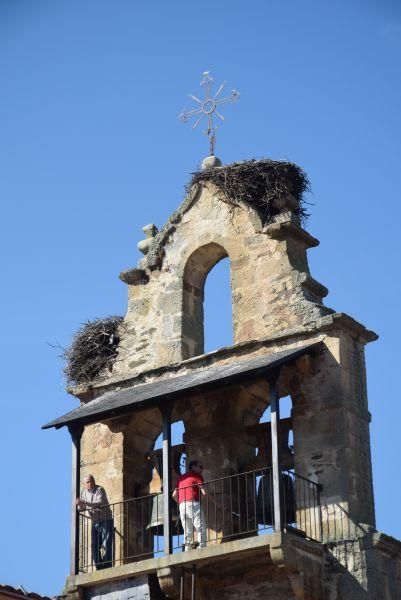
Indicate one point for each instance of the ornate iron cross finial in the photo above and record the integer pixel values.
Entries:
(208, 108)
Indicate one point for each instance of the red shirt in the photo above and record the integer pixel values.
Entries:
(188, 487)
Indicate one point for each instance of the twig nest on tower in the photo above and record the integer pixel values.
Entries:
(93, 350)
(271, 187)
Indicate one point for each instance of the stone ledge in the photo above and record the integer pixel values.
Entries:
(283, 549)
(347, 323)
(313, 286)
(281, 230)
(134, 277)
(387, 544)
(299, 334)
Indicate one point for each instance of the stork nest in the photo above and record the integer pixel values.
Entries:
(262, 184)
(93, 350)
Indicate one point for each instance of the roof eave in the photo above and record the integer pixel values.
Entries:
(216, 383)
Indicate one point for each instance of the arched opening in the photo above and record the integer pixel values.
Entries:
(177, 433)
(178, 459)
(264, 462)
(218, 323)
(287, 435)
(198, 266)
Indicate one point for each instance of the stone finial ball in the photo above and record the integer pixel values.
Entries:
(210, 162)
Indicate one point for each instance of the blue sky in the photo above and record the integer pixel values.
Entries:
(91, 150)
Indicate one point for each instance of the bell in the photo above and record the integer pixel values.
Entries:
(155, 488)
(156, 518)
(265, 501)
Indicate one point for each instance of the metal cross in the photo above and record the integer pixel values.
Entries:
(208, 107)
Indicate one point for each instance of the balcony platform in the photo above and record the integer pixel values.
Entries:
(269, 556)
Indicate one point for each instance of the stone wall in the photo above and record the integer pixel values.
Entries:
(272, 289)
(365, 567)
(140, 588)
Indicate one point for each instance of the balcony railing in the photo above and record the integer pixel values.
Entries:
(220, 510)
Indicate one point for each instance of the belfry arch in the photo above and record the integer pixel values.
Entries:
(196, 269)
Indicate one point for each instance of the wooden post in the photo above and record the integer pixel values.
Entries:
(193, 582)
(76, 434)
(167, 533)
(275, 440)
(182, 583)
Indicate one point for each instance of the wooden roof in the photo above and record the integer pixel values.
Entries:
(123, 401)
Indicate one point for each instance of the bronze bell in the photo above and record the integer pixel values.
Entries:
(156, 517)
(265, 502)
(156, 488)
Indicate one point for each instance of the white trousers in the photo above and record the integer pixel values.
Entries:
(192, 518)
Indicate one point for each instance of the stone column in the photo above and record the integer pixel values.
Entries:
(331, 436)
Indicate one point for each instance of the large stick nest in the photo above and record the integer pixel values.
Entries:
(265, 185)
(93, 350)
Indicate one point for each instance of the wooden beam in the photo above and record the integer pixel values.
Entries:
(76, 434)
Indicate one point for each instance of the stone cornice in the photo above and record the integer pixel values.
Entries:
(134, 277)
(282, 230)
(387, 544)
(329, 323)
(349, 325)
(313, 286)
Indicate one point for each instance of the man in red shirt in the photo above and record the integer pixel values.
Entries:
(188, 494)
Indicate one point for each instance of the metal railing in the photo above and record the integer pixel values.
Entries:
(242, 505)
(131, 537)
(303, 514)
(220, 510)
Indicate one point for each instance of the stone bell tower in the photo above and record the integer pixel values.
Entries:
(291, 520)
